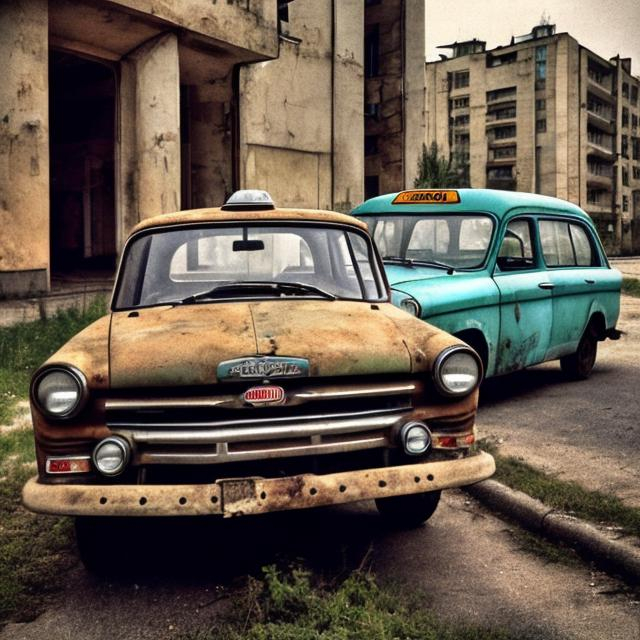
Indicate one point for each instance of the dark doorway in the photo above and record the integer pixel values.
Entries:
(82, 110)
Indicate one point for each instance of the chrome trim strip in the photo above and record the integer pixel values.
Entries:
(267, 422)
(269, 431)
(152, 457)
(235, 401)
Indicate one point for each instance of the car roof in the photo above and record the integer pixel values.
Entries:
(200, 216)
(492, 200)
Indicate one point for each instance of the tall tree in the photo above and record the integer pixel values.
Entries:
(436, 172)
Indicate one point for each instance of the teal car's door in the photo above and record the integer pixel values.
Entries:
(582, 284)
(525, 299)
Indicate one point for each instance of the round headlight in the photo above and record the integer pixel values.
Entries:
(457, 371)
(411, 306)
(60, 392)
(111, 456)
(415, 438)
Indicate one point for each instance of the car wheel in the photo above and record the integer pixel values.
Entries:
(97, 540)
(408, 511)
(579, 365)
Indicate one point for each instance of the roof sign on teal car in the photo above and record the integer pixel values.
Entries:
(427, 196)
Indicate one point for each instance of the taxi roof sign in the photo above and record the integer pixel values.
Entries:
(427, 196)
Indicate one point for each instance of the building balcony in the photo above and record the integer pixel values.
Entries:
(600, 121)
(601, 90)
(600, 150)
(598, 208)
(504, 184)
(599, 181)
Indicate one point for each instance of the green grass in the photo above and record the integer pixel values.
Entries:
(564, 495)
(631, 286)
(33, 549)
(24, 347)
(292, 606)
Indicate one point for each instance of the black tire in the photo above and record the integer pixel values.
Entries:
(579, 365)
(406, 512)
(98, 540)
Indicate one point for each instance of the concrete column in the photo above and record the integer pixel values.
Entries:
(348, 101)
(414, 88)
(149, 132)
(24, 148)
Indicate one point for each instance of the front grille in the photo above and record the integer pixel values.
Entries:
(222, 428)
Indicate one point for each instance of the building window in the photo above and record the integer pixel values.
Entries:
(625, 203)
(460, 79)
(502, 133)
(634, 121)
(370, 145)
(372, 52)
(371, 187)
(635, 148)
(625, 90)
(507, 93)
(372, 110)
(625, 176)
(634, 94)
(541, 125)
(541, 104)
(498, 61)
(461, 121)
(541, 63)
(625, 117)
(624, 146)
(459, 103)
(636, 173)
(503, 112)
(501, 174)
(504, 152)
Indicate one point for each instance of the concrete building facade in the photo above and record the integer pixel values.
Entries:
(546, 115)
(115, 110)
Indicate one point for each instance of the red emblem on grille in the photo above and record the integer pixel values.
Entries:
(264, 395)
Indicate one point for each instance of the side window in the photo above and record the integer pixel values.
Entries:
(582, 246)
(565, 244)
(516, 250)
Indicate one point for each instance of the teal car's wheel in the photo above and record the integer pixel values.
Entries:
(579, 365)
(405, 512)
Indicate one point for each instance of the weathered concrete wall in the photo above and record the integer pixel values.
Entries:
(285, 114)
(150, 137)
(348, 100)
(24, 147)
(247, 24)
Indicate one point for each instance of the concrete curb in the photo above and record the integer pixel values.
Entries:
(532, 514)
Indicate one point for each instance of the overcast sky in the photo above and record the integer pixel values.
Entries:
(606, 27)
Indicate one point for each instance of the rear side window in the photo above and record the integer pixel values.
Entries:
(565, 244)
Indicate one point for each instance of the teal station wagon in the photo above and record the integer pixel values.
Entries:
(520, 277)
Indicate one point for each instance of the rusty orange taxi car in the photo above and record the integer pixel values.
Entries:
(252, 362)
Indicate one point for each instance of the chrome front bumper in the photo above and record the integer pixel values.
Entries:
(245, 496)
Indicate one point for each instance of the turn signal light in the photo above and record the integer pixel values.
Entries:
(68, 465)
(453, 442)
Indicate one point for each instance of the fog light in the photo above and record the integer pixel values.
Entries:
(111, 456)
(415, 438)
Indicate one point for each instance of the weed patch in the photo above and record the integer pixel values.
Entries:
(631, 287)
(26, 346)
(291, 607)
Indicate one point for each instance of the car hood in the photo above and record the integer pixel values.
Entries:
(183, 345)
(397, 274)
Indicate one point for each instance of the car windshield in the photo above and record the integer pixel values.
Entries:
(455, 241)
(195, 264)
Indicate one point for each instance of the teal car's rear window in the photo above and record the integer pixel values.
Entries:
(458, 241)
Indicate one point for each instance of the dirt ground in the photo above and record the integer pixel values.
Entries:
(585, 431)
(465, 564)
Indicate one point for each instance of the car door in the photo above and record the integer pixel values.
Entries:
(576, 272)
(525, 298)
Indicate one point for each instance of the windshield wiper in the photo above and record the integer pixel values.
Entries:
(410, 262)
(259, 286)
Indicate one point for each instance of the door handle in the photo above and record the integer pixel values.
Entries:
(546, 285)
(590, 281)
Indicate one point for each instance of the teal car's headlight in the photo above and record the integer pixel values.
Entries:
(457, 371)
(59, 392)
(412, 306)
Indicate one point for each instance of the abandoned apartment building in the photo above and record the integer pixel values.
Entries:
(547, 115)
(114, 111)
